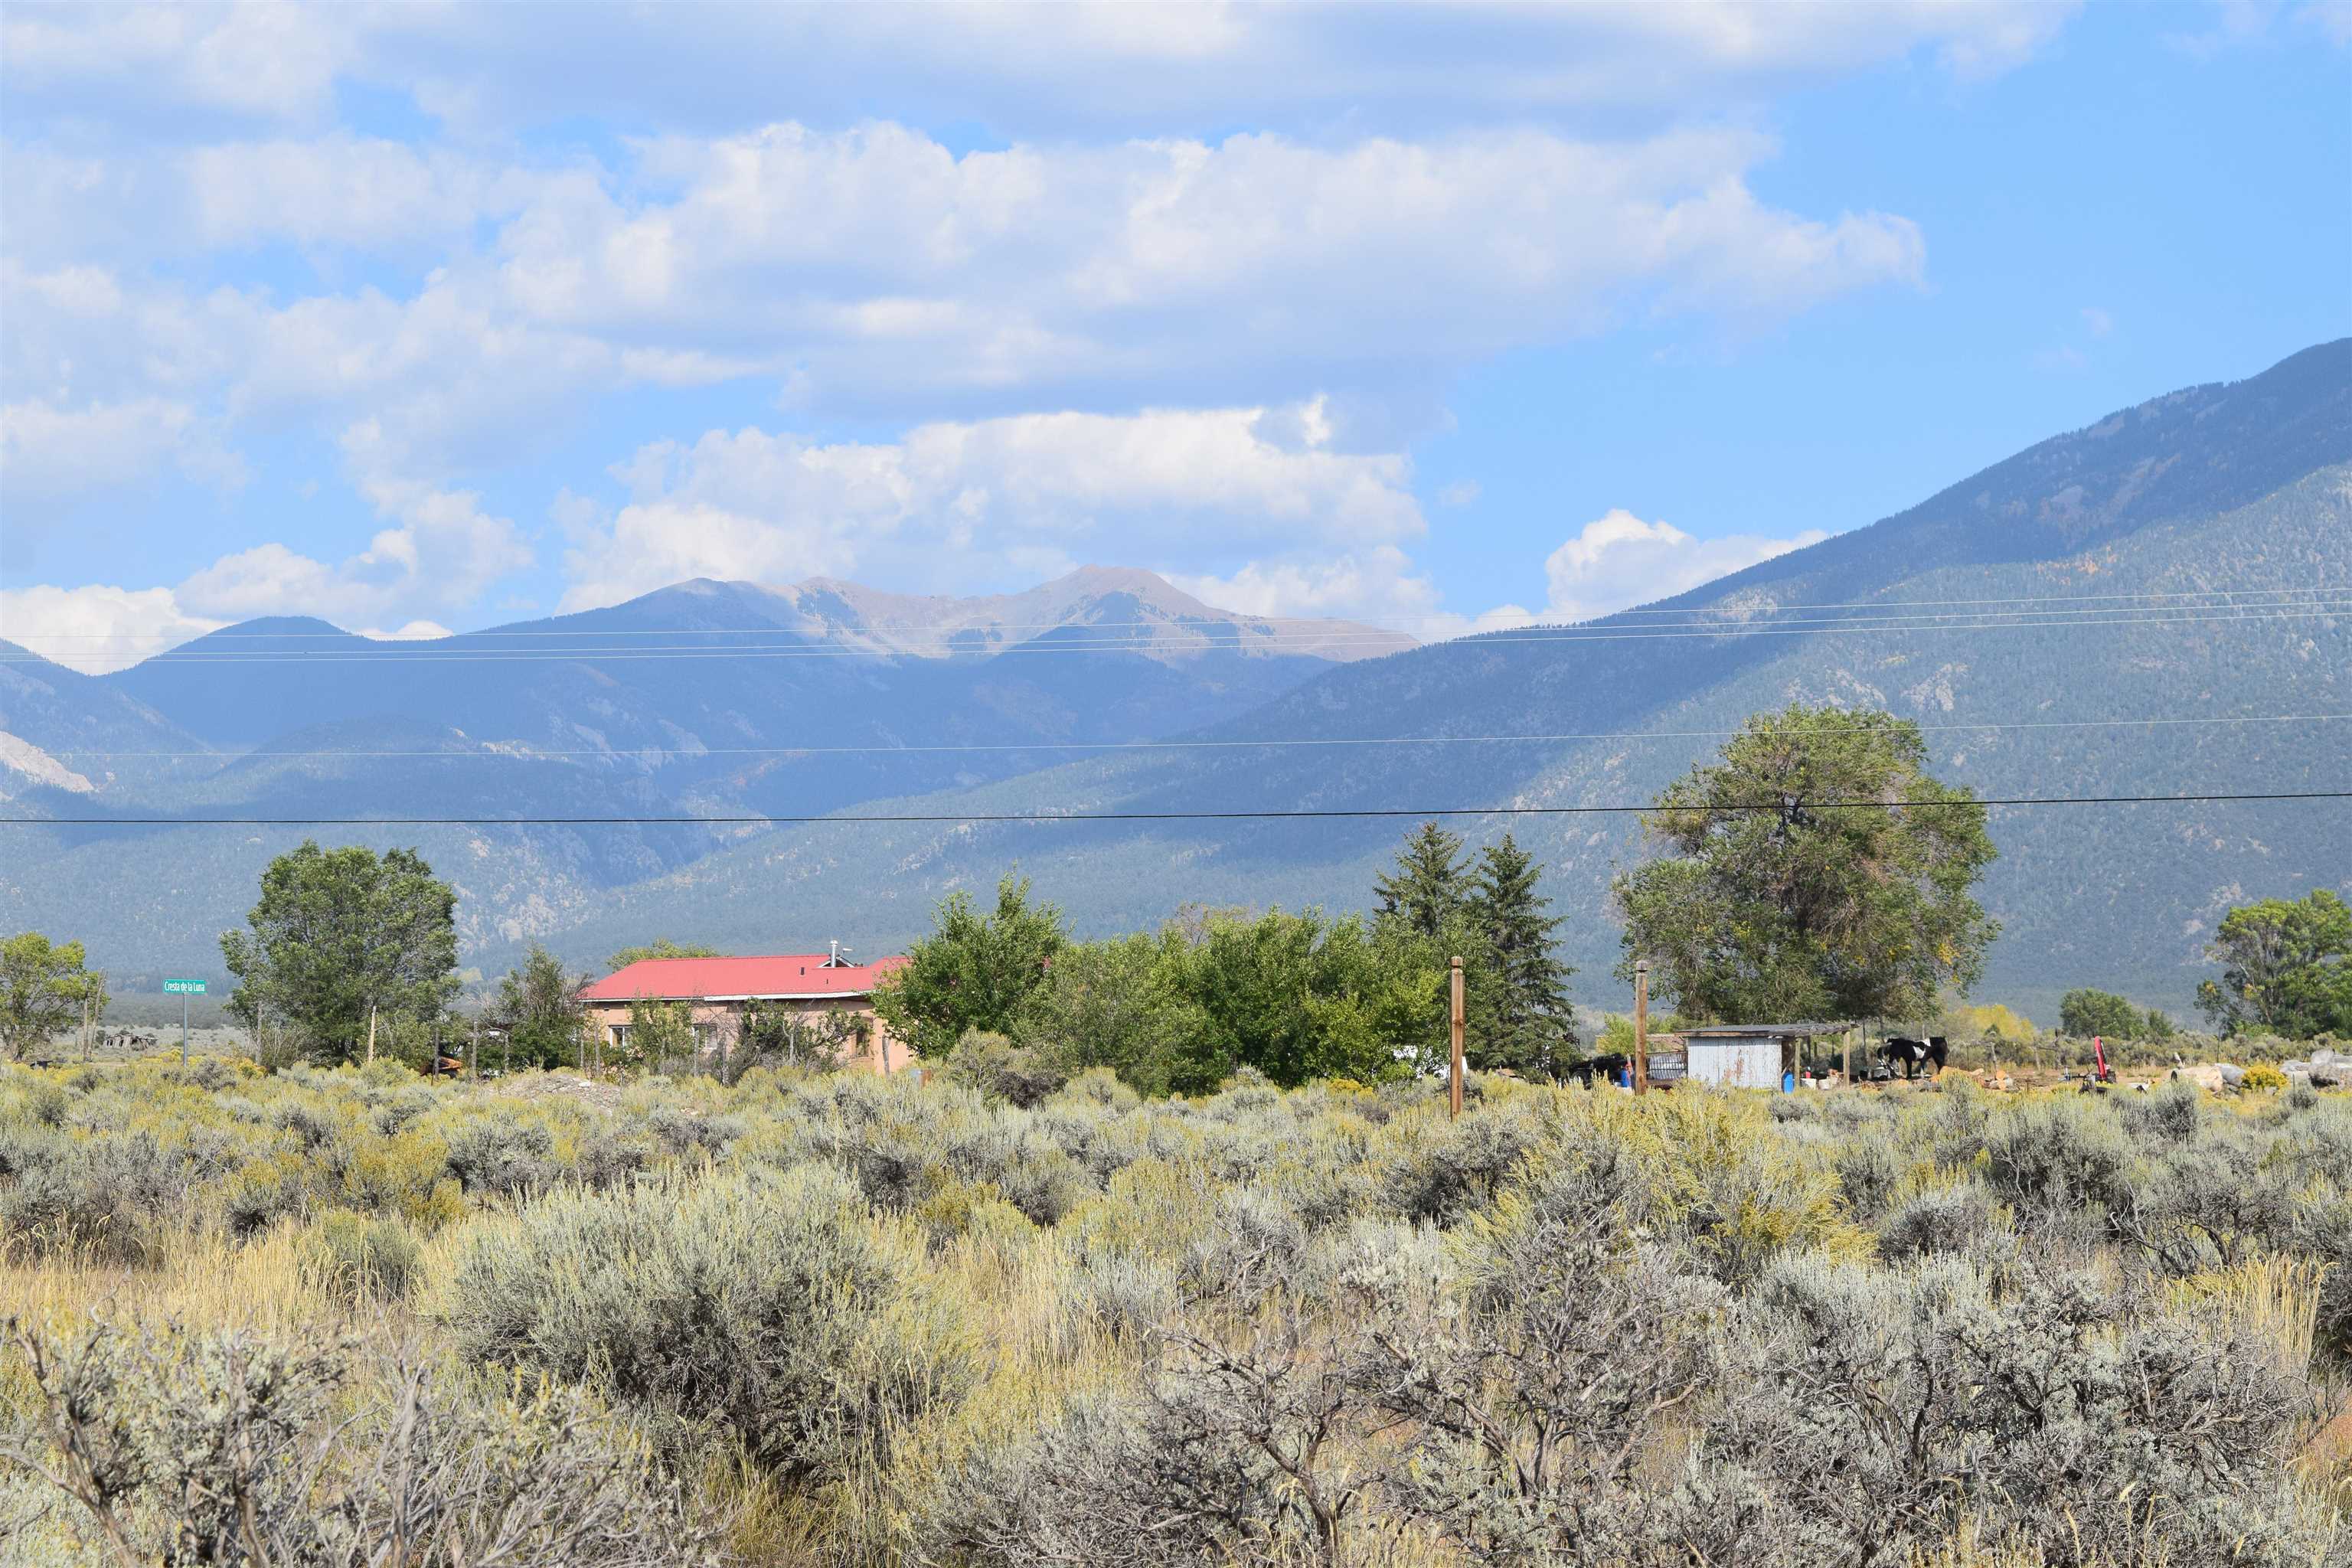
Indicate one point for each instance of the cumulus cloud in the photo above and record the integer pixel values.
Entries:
(891, 271)
(876, 272)
(1029, 70)
(95, 629)
(49, 455)
(997, 501)
(442, 552)
(1619, 560)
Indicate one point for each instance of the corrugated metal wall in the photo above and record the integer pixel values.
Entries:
(1753, 1063)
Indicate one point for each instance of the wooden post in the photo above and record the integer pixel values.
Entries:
(1454, 1092)
(1848, 1070)
(474, 1068)
(371, 1031)
(1642, 1026)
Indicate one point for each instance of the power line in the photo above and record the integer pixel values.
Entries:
(392, 654)
(1027, 816)
(1237, 618)
(539, 753)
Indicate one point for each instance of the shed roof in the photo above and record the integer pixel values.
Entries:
(774, 976)
(1750, 1031)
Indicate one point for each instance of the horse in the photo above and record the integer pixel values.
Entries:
(1913, 1055)
(1607, 1067)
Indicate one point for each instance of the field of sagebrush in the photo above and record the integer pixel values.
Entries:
(351, 1316)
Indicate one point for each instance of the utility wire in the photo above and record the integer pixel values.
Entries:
(392, 653)
(535, 753)
(1306, 814)
(1237, 618)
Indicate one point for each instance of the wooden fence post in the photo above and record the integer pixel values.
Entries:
(1642, 1026)
(1453, 1093)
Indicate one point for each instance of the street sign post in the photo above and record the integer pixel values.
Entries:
(183, 989)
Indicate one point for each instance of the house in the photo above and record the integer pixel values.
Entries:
(824, 991)
(1738, 1056)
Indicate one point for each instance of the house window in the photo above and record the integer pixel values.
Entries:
(620, 1036)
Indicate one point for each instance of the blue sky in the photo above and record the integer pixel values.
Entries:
(418, 318)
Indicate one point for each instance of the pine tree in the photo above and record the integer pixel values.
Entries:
(1432, 884)
(1534, 1021)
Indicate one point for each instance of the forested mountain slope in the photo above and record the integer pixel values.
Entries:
(2158, 567)
(2097, 615)
(702, 701)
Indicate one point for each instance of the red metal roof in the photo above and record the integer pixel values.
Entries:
(778, 974)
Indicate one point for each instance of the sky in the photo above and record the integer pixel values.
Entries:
(439, 317)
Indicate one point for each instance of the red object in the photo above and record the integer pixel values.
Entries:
(2099, 1054)
(775, 976)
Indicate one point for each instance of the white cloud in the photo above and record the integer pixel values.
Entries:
(369, 195)
(1030, 69)
(995, 500)
(876, 272)
(52, 457)
(443, 554)
(259, 60)
(892, 272)
(1462, 493)
(97, 628)
(1619, 560)
(2097, 321)
(414, 631)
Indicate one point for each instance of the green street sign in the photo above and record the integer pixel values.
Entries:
(183, 988)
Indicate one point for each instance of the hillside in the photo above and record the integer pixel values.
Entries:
(2203, 494)
(704, 699)
(2091, 616)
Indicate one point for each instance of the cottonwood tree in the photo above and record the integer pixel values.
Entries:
(43, 988)
(1815, 870)
(974, 971)
(339, 934)
(2286, 968)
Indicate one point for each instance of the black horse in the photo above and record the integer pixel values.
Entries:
(1607, 1067)
(1912, 1055)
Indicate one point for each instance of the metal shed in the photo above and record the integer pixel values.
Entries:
(1746, 1055)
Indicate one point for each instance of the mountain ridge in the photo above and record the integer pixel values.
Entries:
(2181, 495)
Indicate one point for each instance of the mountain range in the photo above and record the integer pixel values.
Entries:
(2158, 604)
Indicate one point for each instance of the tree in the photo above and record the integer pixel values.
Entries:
(660, 1031)
(1533, 1023)
(42, 988)
(538, 1007)
(661, 947)
(1431, 884)
(2286, 968)
(1816, 869)
(341, 933)
(1115, 1004)
(93, 1001)
(2083, 1012)
(974, 971)
(1299, 998)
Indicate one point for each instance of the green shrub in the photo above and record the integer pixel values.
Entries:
(226, 1449)
(364, 1258)
(769, 1308)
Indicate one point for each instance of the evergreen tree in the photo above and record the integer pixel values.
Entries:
(1432, 884)
(1533, 1022)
